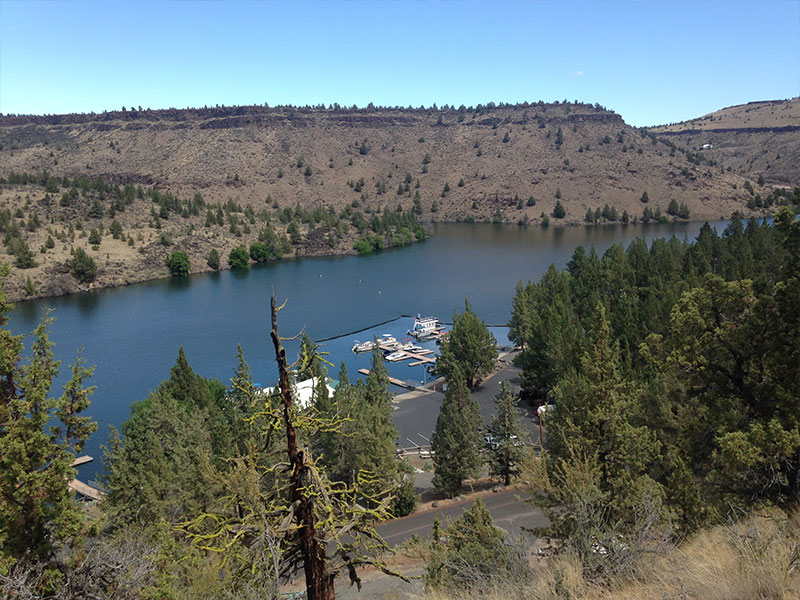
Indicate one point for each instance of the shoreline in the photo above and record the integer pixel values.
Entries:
(138, 273)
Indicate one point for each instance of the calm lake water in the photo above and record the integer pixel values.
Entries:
(132, 334)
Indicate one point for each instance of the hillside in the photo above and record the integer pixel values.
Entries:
(310, 156)
(758, 139)
(230, 171)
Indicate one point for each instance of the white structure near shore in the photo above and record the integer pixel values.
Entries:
(302, 391)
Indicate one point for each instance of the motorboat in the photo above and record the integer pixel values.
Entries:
(363, 347)
(425, 328)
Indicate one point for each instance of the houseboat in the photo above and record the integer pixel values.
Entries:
(425, 328)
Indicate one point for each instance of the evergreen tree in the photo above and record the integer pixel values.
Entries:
(552, 332)
(595, 415)
(39, 439)
(469, 351)
(241, 404)
(375, 448)
(82, 266)
(156, 469)
(213, 259)
(507, 449)
(456, 439)
(473, 556)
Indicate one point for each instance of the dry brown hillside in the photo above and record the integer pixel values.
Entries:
(313, 181)
(758, 139)
(490, 158)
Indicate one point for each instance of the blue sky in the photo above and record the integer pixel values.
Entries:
(651, 62)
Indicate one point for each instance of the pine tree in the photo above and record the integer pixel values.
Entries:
(595, 415)
(473, 556)
(469, 351)
(241, 402)
(456, 440)
(375, 448)
(507, 449)
(155, 470)
(39, 439)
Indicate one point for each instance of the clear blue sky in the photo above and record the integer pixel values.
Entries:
(652, 62)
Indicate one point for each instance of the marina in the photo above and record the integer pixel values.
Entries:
(427, 328)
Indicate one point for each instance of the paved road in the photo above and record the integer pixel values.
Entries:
(507, 507)
(416, 414)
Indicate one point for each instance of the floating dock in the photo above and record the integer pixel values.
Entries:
(397, 382)
(82, 488)
(419, 356)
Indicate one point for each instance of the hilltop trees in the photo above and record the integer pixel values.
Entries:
(469, 351)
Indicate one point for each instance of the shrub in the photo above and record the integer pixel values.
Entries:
(239, 258)
(259, 252)
(213, 259)
(82, 266)
(178, 264)
(405, 499)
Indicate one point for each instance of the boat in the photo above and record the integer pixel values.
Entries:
(425, 328)
(365, 347)
(388, 342)
(411, 347)
(396, 356)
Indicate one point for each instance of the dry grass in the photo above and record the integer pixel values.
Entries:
(755, 139)
(499, 155)
(756, 558)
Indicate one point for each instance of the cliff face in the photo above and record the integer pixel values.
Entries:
(471, 163)
(759, 139)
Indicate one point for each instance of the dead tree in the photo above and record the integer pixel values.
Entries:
(297, 518)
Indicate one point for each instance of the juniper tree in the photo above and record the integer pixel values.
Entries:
(474, 556)
(596, 415)
(507, 450)
(285, 515)
(456, 440)
(469, 351)
(40, 437)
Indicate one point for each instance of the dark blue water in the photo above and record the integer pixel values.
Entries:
(132, 334)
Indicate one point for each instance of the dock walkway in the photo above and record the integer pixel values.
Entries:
(420, 357)
(397, 382)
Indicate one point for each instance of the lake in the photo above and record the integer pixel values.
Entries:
(132, 334)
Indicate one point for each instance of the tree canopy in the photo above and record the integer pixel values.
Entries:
(469, 351)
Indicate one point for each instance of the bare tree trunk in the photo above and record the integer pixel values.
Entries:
(319, 583)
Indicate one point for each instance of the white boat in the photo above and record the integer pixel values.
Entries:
(411, 347)
(425, 327)
(365, 347)
(388, 342)
(396, 356)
